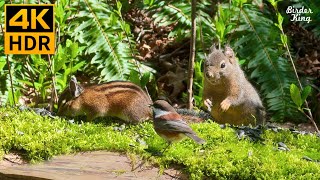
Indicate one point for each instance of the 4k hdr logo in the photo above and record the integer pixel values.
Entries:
(29, 29)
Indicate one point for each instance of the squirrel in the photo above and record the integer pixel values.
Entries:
(227, 94)
(121, 99)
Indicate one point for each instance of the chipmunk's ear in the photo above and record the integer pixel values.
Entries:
(229, 53)
(74, 87)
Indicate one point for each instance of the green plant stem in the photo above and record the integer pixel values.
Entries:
(309, 115)
(11, 82)
(285, 43)
(54, 97)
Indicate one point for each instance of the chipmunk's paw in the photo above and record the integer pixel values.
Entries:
(225, 104)
(208, 104)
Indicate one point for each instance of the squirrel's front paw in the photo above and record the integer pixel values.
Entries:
(208, 104)
(225, 104)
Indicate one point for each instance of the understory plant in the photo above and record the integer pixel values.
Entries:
(91, 38)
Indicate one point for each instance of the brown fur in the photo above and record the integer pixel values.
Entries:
(228, 93)
(121, 99)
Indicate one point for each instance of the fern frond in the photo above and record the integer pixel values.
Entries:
(178, 13)
(97, 26)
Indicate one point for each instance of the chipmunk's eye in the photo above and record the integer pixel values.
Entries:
(223, 65)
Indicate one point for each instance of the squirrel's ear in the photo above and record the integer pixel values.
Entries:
(229, 53)
(74, 87)
(212, 48)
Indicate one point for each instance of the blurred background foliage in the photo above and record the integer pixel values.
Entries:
(147, 42)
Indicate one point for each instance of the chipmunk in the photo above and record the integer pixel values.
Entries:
(121, 99)
(227, 93)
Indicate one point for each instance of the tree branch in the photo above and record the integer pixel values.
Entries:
(192, 53)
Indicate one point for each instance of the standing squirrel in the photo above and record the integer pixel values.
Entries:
(227, 93)
(121, 99)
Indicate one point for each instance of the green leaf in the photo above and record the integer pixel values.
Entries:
(273, 3)
(78, 66)
(295, 95)
(284, 39)
(1, 4)
(74, 50)
(119, 6)
(148, 2)
(2, 63)
(68, 43)
(59, 60)
(134, 77)
(280, 20)
(145, 79)
(242, 61)
(220, 28)
(305, 93)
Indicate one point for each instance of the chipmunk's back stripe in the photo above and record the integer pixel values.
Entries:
(118, 84)
(118, 87)
(120, 91)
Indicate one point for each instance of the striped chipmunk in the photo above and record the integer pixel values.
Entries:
(121, 99)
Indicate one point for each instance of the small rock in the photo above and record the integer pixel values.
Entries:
(275, 129)
(23, 108)
(270, 126)
(282, 149)
(283, 146)
(296, 132)
(71, 121)
(44, 112)
(141, 141)
(116, 128)
(20, 133)
(122, 127)
(241, 134)
(307, 158)
(223, 126)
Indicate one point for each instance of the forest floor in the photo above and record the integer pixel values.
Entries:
(37, 147)
(96, 165)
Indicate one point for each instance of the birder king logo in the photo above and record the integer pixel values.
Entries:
(29, 29)
(299, 14)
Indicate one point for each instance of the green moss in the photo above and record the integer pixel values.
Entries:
(222, 157)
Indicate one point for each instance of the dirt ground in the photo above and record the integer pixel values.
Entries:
(83, 166)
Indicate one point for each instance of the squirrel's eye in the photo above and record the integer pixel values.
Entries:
(223, 65)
